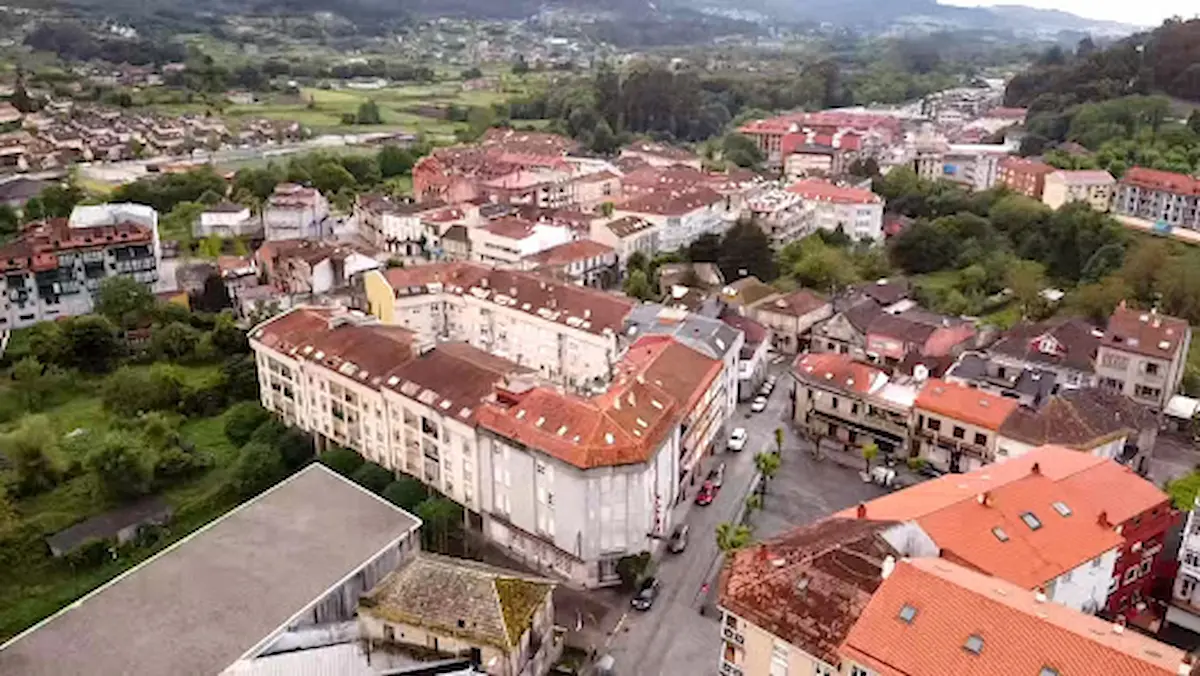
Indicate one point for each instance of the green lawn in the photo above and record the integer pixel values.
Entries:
(36, 586)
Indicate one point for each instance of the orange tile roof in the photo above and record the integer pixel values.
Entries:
(965, 531)
(683, 373)
(796, 304)
(367, 352)
(821, 190)
(672, 203)
(1020, 635)
(1154, 179)
(1144, 332)
(580, 249)
(837, 371)
(1116, 490)
(965, 404)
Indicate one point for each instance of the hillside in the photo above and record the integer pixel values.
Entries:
(1165, 60)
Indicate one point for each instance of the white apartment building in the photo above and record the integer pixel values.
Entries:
(783, 215)
(682, 216)
(566, 333)
(629, 235)
(976, 166)
(356, 383)
(226, 220)
(1185, 593)
(508, 240)
(396, 226)
(1093, 187)
(295, 212)
(857, 212)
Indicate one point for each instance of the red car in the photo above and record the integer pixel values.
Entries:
(707, 492)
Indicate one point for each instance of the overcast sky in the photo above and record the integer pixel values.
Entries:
(1142, 13)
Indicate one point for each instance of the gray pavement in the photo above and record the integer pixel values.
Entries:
(1174, 456)
(673, 638)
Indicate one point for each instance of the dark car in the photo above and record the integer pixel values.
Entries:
(930, 471)
(645, 596)
(707, 492)
(679, 539)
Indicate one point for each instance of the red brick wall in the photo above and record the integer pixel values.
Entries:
(1148, 529)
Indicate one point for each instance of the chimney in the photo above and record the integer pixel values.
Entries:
(862, 510)
(985, 498)
(1040, 595)
(888, 567)
(1103, 520)
(1036, 469)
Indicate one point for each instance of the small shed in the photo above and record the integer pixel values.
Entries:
(120, 524)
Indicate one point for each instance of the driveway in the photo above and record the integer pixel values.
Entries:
(673, 638)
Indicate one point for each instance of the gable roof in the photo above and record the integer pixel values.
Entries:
(965, 404)
(466, 599)
(347, 342)
(1081, 419)
(1020, 634)
(795, 304)
(809, 585)
(831, 370)
(1075, 342)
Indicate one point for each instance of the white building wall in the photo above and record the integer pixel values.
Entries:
(1086, 587)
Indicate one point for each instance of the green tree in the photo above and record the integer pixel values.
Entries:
(239, 378)
(440, 518)
(520, 65)
(406, 493)
(257, 467)
(704, 249)
(741, 150)
(296, 448)
(129, 392)
(395, 161)
(365, 170)
(344, 461)
(604, 140)
(175, 341)
(121, 472)
(753, 503)
(637, 285)
(368, 113)
(870, 451)
(372, 477)
(30, 448)
(48, 343)
(242, 419)
(125, 301)
(1097, 301)
(779, 441)
(10, 223)
(1027, 279)
(767, 465)
(91, 343)
(35, 382)
(746, 250)
(211, 247)
(227, 338)
(732, 537)
(330, 177)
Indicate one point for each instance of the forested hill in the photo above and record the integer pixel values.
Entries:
(1165, 60)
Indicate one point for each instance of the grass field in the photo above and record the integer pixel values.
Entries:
(36, 587)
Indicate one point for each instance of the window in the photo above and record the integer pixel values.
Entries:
(1131, 575)
(1061, 508)
(980, 439)
(1000, 534)
(1145, 567)
(1186, 585)
(1116, 582)
(907, 613)
(934, 425)
(834, 403)
(959, 432)
(856, 670)
(1151, 368)
(779, 659)
(1096, 562)
(974, 644)
(1048, 671)
(1191, 558)
(853, 409)
(823, 670)
(1031, 520)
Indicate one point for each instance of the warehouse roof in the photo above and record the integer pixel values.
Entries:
(206, 601)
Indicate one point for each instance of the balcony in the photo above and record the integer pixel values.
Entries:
(732, 636)
(729, 669)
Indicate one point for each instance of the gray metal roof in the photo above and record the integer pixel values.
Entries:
(711, 337)
(153, 509)
(201, 604)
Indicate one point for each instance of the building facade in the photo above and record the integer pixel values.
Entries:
(1143, 355)
(295, 212)
(1095, 188)
(957, 427)
(1159, 196)
(857, 213)
(1024, 176)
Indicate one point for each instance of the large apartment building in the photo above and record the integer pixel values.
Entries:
(1024, 176)
(848, 404)
(957, 427)
(568, 334)
(1093, 187)
(1143, 355)
(856, 212)
(295, 212)
(53, 270)
(1159, 196)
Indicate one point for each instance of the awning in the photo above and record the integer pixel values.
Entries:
(1182, 407)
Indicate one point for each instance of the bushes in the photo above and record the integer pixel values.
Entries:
(372, 477)
(296, 448)
(121, 470)
(129, 392)
(92, 553)
(258, 466)
(242, 420)
(342, 460)
(405, 493)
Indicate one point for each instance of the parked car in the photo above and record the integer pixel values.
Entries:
(765, 390)
(679, 539)
(930, 471)
(772, 379)
(707, 492)
(716, 476)
(737, 439)
(644, 598)
(759, 405)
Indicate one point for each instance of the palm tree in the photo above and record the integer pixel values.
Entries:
(767, 465)
(732, 537)
(752, 503)
(778, 440)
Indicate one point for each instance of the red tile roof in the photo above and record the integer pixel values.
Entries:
(795, 304)
(38, 244)
(575, 306)
(628, 225)
(1143, 332)
(965, 404)
(1154, 179)
(755, 333)
(564, 254)
(1086, 176)
(830, 370)
(1082, 419)
(672, 203)
(661, 150)
(808, 586)
(1020, 635)
(454, 378)
(347, 342)
(510, 227)
(1022, 165)
(824, 191)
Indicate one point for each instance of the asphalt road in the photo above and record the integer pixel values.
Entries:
(673, 638)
